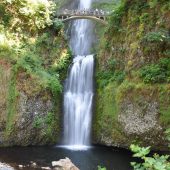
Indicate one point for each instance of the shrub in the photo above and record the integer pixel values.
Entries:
(167, 133)
(29, 62)
(32, 64)
(149, 163)
(156, 73)
(26, 14)
(153, 3)
(158, 37)
(38, 122)
(58, 24)
(101, 168)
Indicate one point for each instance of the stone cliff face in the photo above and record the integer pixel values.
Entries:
(132, 101)
(34, 119)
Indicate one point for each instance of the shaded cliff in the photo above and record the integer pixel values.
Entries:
(133, 76)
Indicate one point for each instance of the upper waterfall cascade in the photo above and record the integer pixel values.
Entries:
(78, 94)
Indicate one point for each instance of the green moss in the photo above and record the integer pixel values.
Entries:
(38, 122)
(164, 99)
(51, 120)
(165, 116)
(106, 112)
(156, 73)
(12, 101)
(125, 88)
(107, 5)
(48, 126)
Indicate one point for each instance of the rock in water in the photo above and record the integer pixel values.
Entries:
(4, 166)
(46, 168)
(64, 164)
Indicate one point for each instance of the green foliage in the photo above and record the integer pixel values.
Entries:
(156, 73)
(63, 62)
(58, 25)
(38, 122)
(153, 3)
(12, 99)
(167, 133)
(167, 53)
(34, 51)
(116, 16)
(29, 62)
(49, 118)
(32, 64)
(105, 77)
(156, 37)
(101, 168)
(144, 18)
(54, 84)
(28, 15)
(139, 151)
(49, 121)
(106, 5)
(149, 163)
(111, 74)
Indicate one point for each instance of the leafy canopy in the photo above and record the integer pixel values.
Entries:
(28, 15)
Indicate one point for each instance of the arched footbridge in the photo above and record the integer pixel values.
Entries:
(97, 15)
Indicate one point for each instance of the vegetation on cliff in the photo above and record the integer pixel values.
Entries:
(132, 74)
(35, 55)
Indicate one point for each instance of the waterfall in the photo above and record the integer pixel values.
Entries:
(78, 94)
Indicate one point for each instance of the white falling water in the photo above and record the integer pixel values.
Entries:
(78, 95)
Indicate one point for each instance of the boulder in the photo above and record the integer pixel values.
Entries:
(64, 164)
(46, 168)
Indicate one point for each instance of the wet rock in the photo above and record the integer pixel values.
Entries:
(33, 164)
(64, 164)
(4, 166)
(21, 166)
(46, 168)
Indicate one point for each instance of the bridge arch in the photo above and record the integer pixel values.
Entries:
(100, 20)
(98, 16)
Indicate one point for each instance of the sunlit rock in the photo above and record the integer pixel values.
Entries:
(64, 164)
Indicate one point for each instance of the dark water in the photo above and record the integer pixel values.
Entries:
(111, 158)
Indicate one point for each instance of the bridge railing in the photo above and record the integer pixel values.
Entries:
(84, 12)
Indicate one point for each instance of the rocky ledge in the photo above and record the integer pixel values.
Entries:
(4, 166)
(62, 164)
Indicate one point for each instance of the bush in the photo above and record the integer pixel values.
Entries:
(26, 14)
(167, 133)
(38, 122)
(156, 73)
(29, 62)
(156, 37)
(58, 24)
(149, 163)
(153, 3)
(32, 64)
(101, 168)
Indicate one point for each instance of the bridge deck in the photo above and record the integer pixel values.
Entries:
(98, 15)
